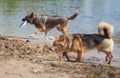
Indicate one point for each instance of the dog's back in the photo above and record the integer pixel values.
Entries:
(90, 41)
(104, 36)
(53, 21)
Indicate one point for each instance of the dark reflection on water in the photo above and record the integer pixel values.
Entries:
(92, 12)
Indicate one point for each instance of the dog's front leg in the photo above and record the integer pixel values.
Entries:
(34, 34)
(79, 56)
(65, 56)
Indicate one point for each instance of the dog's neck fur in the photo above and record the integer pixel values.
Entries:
(35, 17)
(36, 21)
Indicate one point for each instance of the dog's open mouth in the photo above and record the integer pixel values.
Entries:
(23, 23)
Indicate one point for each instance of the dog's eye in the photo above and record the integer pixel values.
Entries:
(54, 44)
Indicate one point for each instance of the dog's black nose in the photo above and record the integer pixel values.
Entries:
(50, 49)
(23, 19)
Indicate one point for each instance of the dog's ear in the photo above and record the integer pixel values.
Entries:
(32, 15)
(62, 38)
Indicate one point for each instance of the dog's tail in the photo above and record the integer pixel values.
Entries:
(105, 29)
(73, 16)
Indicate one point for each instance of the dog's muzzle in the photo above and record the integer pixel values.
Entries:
(52, 48)
(23, 24)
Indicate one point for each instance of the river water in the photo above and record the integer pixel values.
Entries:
(92, 12)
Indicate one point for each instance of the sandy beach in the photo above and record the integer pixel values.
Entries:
(21, 59)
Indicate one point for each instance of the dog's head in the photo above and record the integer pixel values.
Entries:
(60, 44)
(29, 18)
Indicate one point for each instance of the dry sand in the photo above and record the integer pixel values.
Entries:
(20, 59)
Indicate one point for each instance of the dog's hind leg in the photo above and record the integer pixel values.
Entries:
(108, 57)
(63, 28)
(64, 32)
(46, 34)
(106, 46)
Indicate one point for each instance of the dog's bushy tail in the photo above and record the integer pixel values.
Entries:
(105, 29)
(73, 16)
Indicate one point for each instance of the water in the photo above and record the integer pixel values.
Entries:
(92, 12)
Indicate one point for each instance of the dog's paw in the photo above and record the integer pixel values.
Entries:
(34, 37)
(31, 36)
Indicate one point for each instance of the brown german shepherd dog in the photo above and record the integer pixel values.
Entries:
(45, 22)
(81, 43)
